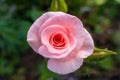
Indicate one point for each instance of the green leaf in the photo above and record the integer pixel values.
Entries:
(118, 1)
(99, 54)
(98, 29)
(106, 64)
(116, 37)
(58, 5)
(100, 2)
(96, 2)
(34, 14)
(5, 67)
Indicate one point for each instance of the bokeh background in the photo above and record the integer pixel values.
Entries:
(19, 62)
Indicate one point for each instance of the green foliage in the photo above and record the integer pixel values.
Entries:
(100, 2)
(14, 37)
(34, 14)
(96, 2)
(116, 37)
(106, 63)
(116, 40)
(118, 1)
(5, 67)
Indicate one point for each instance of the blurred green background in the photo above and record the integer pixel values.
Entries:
(19, 62)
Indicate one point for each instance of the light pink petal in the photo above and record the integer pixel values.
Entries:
(32, 38)
(87, 47)
(65, 66)
(45, 17)
(45, 53)
(71, 23)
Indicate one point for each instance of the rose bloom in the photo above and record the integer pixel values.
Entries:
(62, 39)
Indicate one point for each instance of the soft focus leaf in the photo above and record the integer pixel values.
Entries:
(58, 5)
(106, 64)
(98, 29)
(5, 67)
(99, 54)
(118, 55)
(34, 14)
(20, 74)
(96, 2)
(99, 2)
(116, 38)
(118, 1)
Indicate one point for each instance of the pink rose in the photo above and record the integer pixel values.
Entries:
(61, 38)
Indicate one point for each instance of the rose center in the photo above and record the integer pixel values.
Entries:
(57, 41)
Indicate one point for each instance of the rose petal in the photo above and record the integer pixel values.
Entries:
(65, 66)
(45, 17)
(44, 52)
(69, 22)
(32, 37)
(87, 47)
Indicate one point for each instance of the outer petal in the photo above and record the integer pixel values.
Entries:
(44, 52)
(71, 23)
(45, 17)
(65, 66)
(32, 36)
(87, 47)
